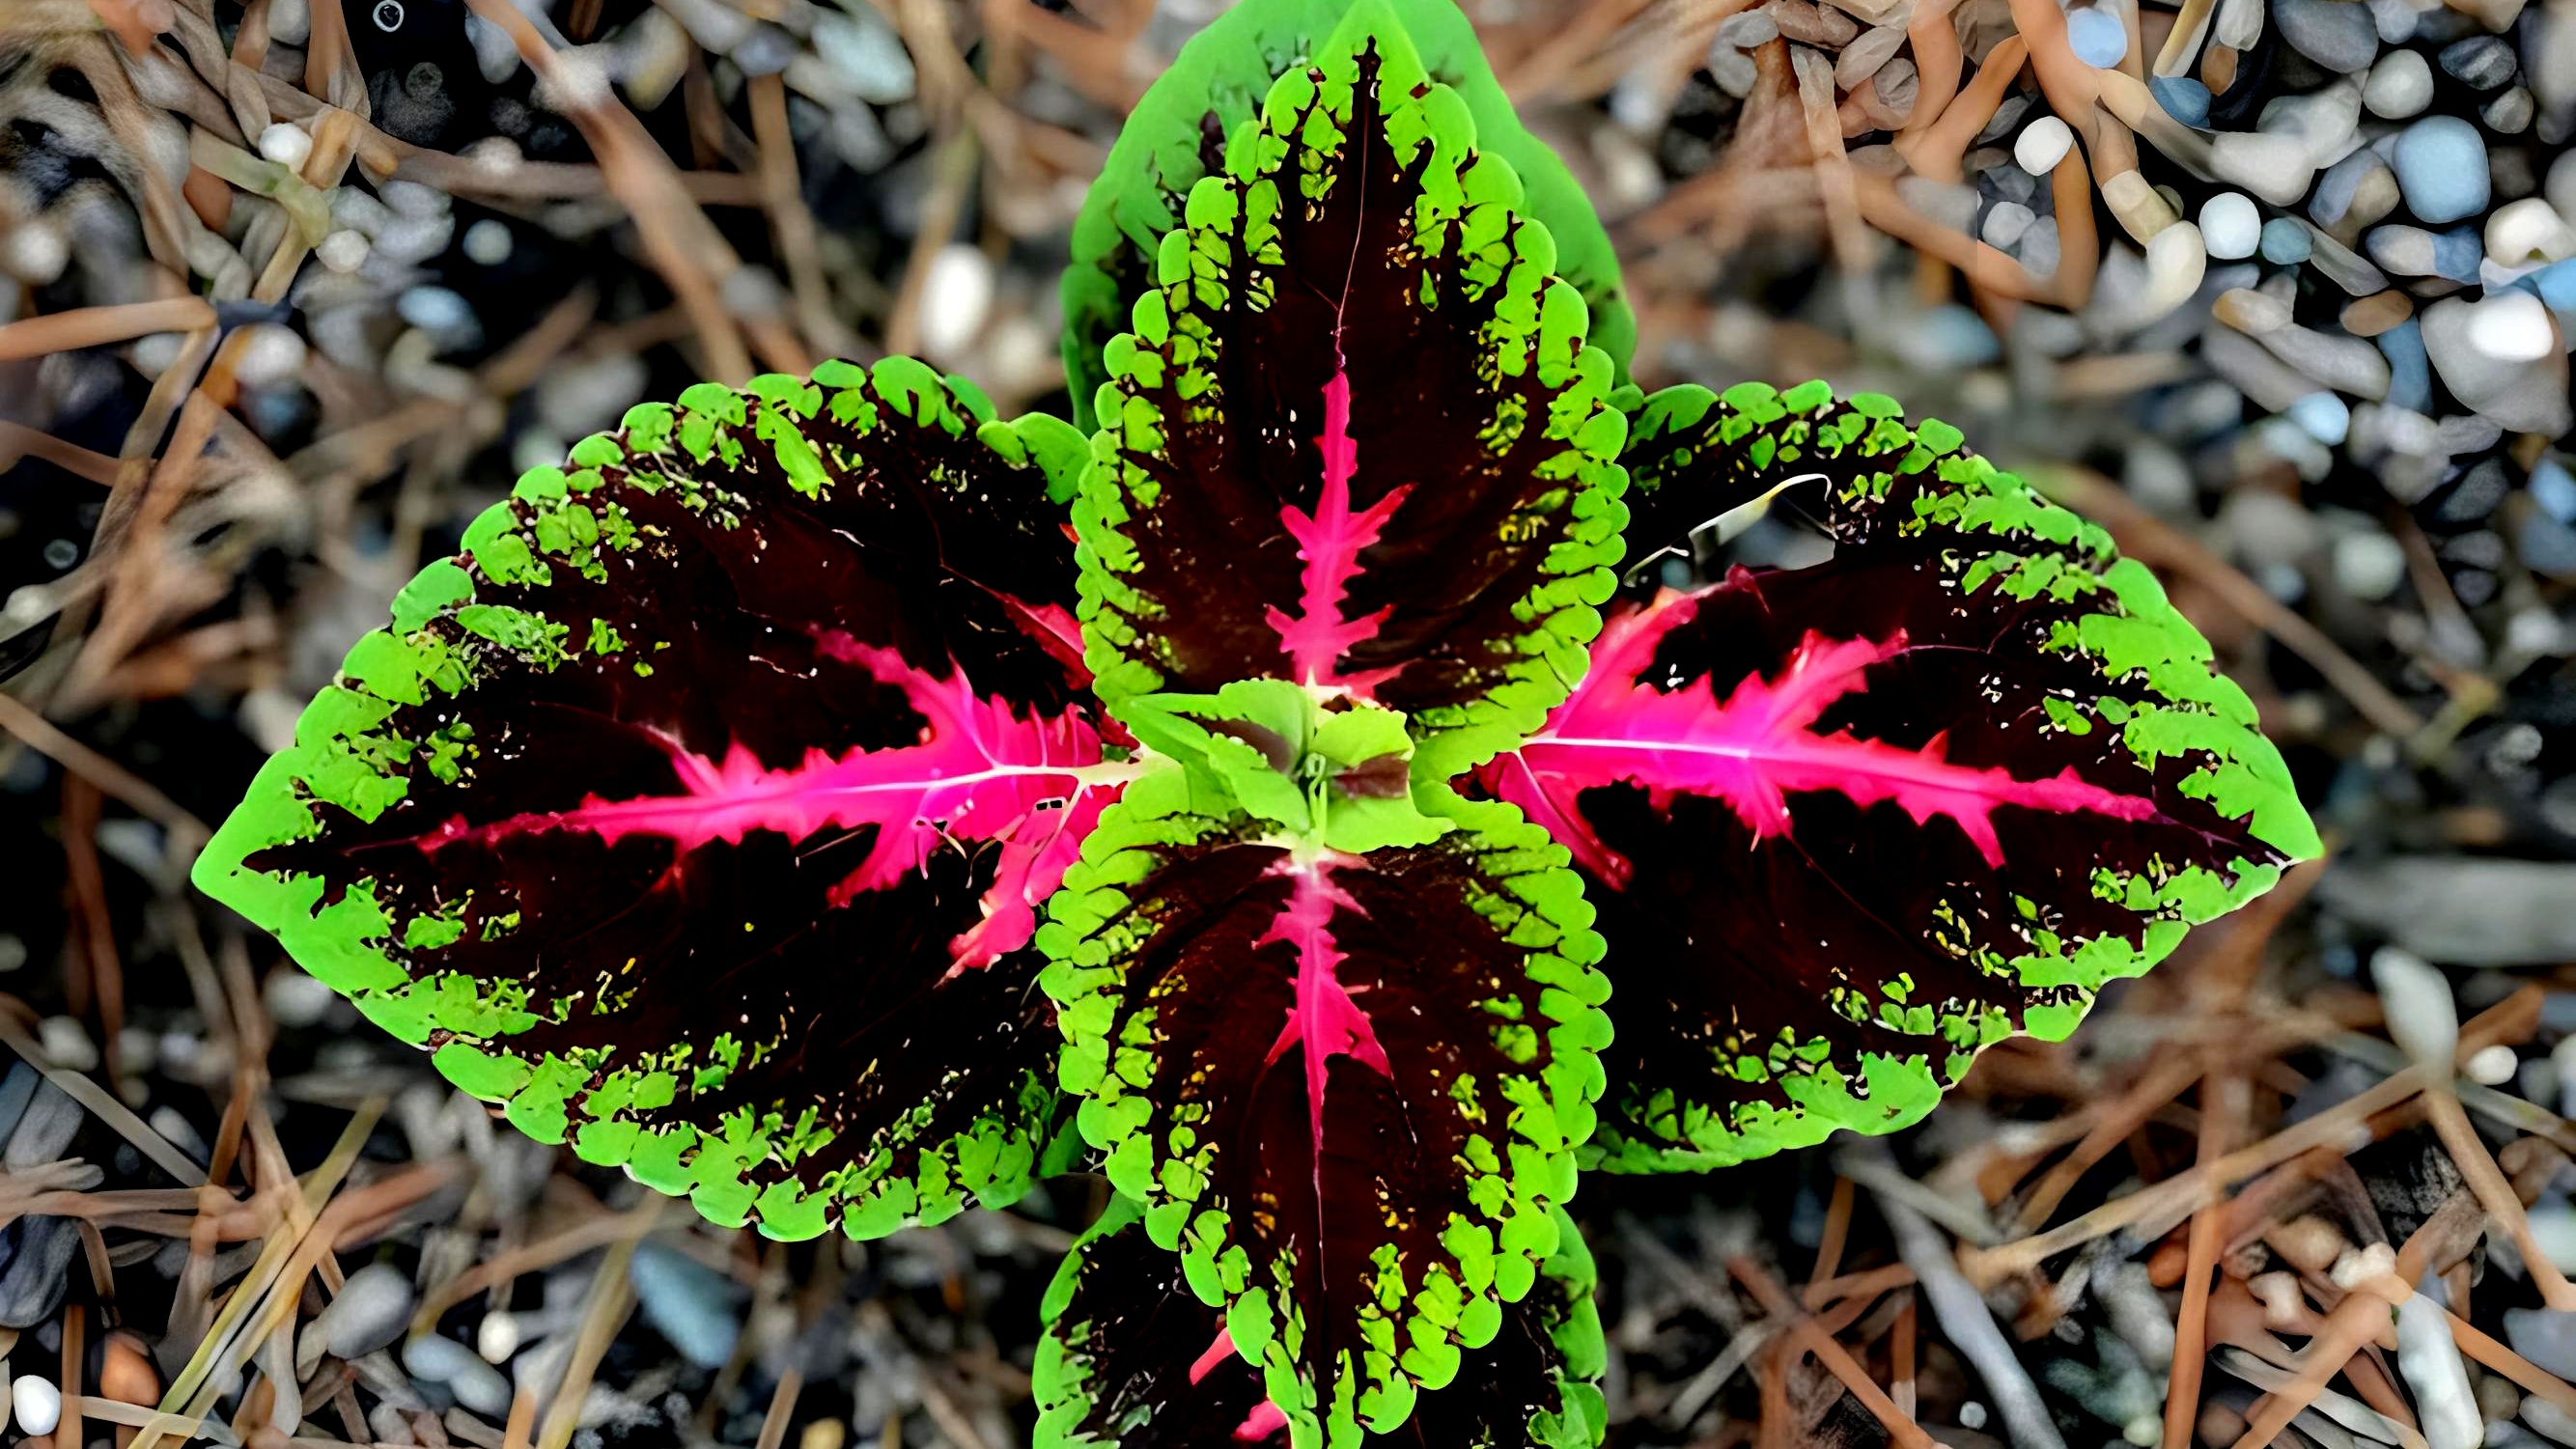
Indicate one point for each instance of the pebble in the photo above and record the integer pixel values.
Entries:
(2251, 312)
(2512, 326)
(2005, 223)
(2544, 1336)
(2482, 62)
(2554, 489)
(956, 296)
(487, 242)
(496, 55)
(2400, 85)
(1953, 206)
(290, 22)
(1861, 59)
(476, 1384)
(2342, 185)
(1733, 71)
(17, 1089)
(2369, 565)
(2343, 266)
(2524, 395)
(2275, 168)
(37, 1403)
(2376, 313)
(2039, 253)
(2491, 1066)
(2410, 373)
(2556, 284)
(343, 251)
(2042, 144)
(125, 1371)
(368, 1315)
(2284, 242)
(2097, 37)
(2184, 99)
(2230, 225)
(444, 314)
(44, 1129)
(2510, 113)
(1746, 29)
(865, 53)
(39, 1269)
(287, 144)
(2322, 120)
(2442, 168)
(2346, 364)
(688, 1303)
(2337, 34)
(2322, 416)
(2412, 251)
(767, 50)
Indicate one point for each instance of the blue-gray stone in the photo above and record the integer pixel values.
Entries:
(2096, 36)
(44, 1129)
(2554, 489)
(17, 1089)
(2483, 62)
(2410, 372)
(2322, 416)
(2547, 546)
(2334, 193)
(2184, 99)
(2336, 34)
(40, 1260)
(2441, 166)
(2556, 284)
(2457, 252)
(687, 1302)
(2285, 242)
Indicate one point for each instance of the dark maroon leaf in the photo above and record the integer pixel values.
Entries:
(1853, 822)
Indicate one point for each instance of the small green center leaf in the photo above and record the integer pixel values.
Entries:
(1326, 771)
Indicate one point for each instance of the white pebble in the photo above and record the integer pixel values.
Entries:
(343, 251)
(67, 1042)
(272, 356)
(2429, 1358)
(956, 295)
(2400, 85)
(1972, 1415)
(2492, 1066)
(287, 144)
(2231, 225)
(2042, 144)
(296, 999)
(290, 22)
(2512, 327)
(38, 1403)
(487, 242)
(2356, 1266)
(2422, 1017)
(2520, 233)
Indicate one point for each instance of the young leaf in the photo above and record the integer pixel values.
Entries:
(699, 813)
(1854, 822)
(1348, 1089)
(1133, 1359)
(1177, 131)
(1357, 441)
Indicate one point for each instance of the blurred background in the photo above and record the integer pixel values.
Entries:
(2278, 290)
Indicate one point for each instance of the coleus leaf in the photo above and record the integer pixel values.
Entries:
(1853, 822)
(1356, 439)
(701, 810)
(1176, 134)
(1347, 1089)
(1133, 1358)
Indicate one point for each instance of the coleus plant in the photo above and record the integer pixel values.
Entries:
(774, 802)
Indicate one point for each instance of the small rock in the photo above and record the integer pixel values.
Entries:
(2322, 416)
(343, 251)
(2004, 224)
(2323, 120)
(2097, 36)
(2250, 312)
(496, 55)
(2369, 565)
(125, 1371)
(1746, 29)
(2544, 1336)
(44, 1129)
(290, 22)
(2524, 395)
(476, 1384)
(1951, 205)
(2040, 248)
(2509, 114)
(1811, 24)
(2400, 85)
(2512, 327)
(287, 144)
(2042, 144)
(2441, 167)
(2275, 168)
(2410, 373)
(956, 297)
(2284, 242)
(2554, 489)
(690, 1304)
(2337, 34)
(2556, 284)
(2230, 225)
(39, 1269)
(767, 50)
(2482, 62)
(38, 1404)
(2342, 184)
(487, 242)
(865, 53)
(2184, 99)
(2376, 313)
(2346, 364)
(1861, 59)
(368, 1315)
(2414, 252)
